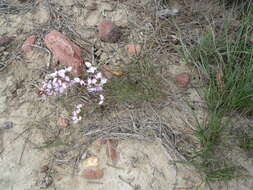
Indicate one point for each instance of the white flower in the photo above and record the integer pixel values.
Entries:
(66, 78)
(82, 82)
(49, 85)
(89, 81)
(53, 74)
(44, 85)
(98, 88)
(103, 81)
(88, 64)
(91, 89)
(68, 69)
(94, 81)
(100, 102)
(61, 73)
(75, 121)
(56, 85)
(61, 89)
(77, 79)
(55, 80)
(98, 75)
(79, 106)
(64, 85)
(91, 70)
(101, 97)
(78, 110)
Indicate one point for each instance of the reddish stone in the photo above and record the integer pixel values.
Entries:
(109, 32)
(133, 49)
(91, 6)
(93, 174)
(65, 51)
(63, 122)
(5, 40)
(183, 80)
(26, 47)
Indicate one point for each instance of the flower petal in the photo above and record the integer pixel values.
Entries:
(88, 64)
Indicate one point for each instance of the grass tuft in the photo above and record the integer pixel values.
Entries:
(139, 83)
(224, 61)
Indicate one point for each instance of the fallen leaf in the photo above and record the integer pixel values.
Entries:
(111, 150)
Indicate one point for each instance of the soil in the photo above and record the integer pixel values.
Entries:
(36, 153)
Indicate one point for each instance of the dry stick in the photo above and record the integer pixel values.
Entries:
(23, 150)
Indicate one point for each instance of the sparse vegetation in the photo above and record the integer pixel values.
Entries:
(138, 83)
(224, 60)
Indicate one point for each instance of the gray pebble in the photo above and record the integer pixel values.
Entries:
(7, 125)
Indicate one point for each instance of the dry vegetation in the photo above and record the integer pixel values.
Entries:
(199, 125)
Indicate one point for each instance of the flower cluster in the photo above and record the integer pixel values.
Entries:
(75, 118)
(57, 82)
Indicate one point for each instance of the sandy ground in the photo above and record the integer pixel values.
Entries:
(142, 165)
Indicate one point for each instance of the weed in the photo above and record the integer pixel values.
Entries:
(224, 60)
(246, 143)
(138, 83)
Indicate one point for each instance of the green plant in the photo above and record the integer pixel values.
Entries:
(138, 83)
(224, 61)
(246, 143)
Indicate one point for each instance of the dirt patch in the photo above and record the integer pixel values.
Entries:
(151, 138)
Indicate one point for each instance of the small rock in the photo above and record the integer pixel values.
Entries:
(2, 49)
(93, 174)
(7, 125)
(5, 53)
(91, 161)
(63, 122)
(5, 40)
(133, 49)
(183, 80)
(26, 47)
(65, 51)
(109, 32)
(91, 6)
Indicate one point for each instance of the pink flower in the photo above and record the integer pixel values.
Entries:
(98, 75)
(64, 85)
(89, 81)
(49, 85)
(94, 81)
(98, 89)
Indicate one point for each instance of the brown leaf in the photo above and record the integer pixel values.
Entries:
(220, 79)
(111, 149)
